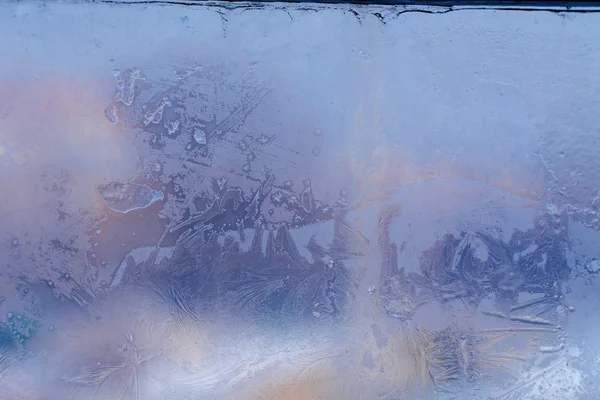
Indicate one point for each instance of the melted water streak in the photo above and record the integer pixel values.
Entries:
(398, 296)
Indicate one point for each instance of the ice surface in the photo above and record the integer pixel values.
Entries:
(297, 201)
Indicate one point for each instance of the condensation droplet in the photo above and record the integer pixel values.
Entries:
(111, 114)
(124, 197)
(361, 55)
(593, 266)
(126, 85)
(264, 139)
(186, 73)
(156, 166)
(222, 182)
(155, 115)
(200, 137)
(172, 127)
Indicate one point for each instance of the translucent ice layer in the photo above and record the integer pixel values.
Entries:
(205, 200)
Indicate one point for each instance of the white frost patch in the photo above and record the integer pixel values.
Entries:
(593, 266)
(559, 382)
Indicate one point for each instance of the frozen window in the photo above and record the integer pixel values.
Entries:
(298, 201)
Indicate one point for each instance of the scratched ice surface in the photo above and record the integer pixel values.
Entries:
(235, 201)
